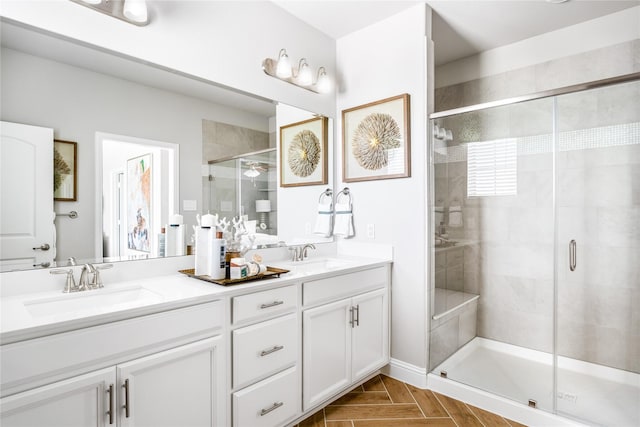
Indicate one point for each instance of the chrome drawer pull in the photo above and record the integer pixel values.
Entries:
(271, 304)
(271, 350)
(127, 406)
(275, 406)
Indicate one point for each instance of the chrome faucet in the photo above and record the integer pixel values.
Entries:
(90, 276)
(70, 283)
(299, 253)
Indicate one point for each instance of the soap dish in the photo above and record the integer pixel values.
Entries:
(271, 273)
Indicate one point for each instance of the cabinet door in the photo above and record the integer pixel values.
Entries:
(77, 402)
(326, 351)
(370, 336)
(183, 386)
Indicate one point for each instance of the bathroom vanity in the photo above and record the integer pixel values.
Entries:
(171, 350)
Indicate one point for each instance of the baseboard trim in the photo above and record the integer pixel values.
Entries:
(406, 372)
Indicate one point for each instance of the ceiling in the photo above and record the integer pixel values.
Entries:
(460, 28)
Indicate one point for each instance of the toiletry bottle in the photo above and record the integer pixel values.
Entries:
(161, 242)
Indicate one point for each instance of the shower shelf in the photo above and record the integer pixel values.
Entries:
(448, 302)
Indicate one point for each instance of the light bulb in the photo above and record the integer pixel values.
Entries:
(135, 10)
(283, 69)
(305, 78)
(323, 83)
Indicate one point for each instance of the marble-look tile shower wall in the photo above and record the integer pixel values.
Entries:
(598, 202)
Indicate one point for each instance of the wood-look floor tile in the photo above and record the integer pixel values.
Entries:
(427, 402)
(363, 398)
(397, 390)
(374, 384)
(460, 413)
(315, 420)
(339, 424)
(432, 422)
(488, 418)
(514, 423)
(363, 412)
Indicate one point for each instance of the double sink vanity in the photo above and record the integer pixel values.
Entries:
(169, 350)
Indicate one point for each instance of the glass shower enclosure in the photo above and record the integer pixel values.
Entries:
(245, 185)
(535, 254)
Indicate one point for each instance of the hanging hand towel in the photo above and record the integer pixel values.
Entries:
(455, 216)
(344, 220)
(324, 220)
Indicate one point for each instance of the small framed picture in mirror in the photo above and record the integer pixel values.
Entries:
(303, 153)
(376, 140)
(65, 181)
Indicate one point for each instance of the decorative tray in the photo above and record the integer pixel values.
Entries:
(271, 273)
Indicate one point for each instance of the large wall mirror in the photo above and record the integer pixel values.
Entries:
(135, 124)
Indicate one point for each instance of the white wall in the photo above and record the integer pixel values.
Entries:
(77, 103)
(297, 206)
(220, 41)
(386, 59)
(597, 33)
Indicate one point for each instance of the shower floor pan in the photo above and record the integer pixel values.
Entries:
(590, 393)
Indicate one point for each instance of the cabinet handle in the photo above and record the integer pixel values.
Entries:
(352, 321)
(271, 350)
(275, 406)
(357, 315)
(111, 398)
(271, 304)
(573, 255)
(126, 397)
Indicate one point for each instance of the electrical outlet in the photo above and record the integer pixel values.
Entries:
(189, 205)
(371, 231)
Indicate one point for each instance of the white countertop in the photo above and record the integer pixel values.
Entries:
(28, 315)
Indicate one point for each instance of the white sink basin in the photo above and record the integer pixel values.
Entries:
(91, 301)
(318, 265)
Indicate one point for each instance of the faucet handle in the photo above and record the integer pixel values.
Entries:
(70, 284)
(97, 280)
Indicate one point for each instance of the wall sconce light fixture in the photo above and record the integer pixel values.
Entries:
(302, 76)
(131, 11)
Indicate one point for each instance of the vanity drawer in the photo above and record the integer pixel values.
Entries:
(269, 403)
(263, 349)
(264, 304)
(342, 286)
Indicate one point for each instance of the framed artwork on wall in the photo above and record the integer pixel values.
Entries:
(303, 153)
(65, 155)
(139, 203)
(376, 140)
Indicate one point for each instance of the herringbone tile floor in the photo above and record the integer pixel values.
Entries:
(386, 402)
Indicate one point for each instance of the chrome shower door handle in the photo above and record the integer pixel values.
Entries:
(573, 255)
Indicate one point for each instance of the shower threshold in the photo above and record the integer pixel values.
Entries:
(591, 393)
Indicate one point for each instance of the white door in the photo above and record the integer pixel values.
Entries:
(26, 196)
(326, 351)
(77, 402)
(183, 387)
(370, 340)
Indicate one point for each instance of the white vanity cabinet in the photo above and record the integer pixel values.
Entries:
(344, 340)
(136, 372)
(265, 348)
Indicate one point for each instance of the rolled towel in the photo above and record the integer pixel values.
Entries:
(455, 216)
(324, 220)
(344, 220)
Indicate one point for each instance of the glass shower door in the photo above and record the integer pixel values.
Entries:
(598, 255)
(493, 263)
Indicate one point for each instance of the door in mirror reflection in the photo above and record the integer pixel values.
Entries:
(139, 182)
(27, 236)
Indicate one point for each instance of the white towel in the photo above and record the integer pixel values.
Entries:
(344, 221)
(324, 220)
(455, 216)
